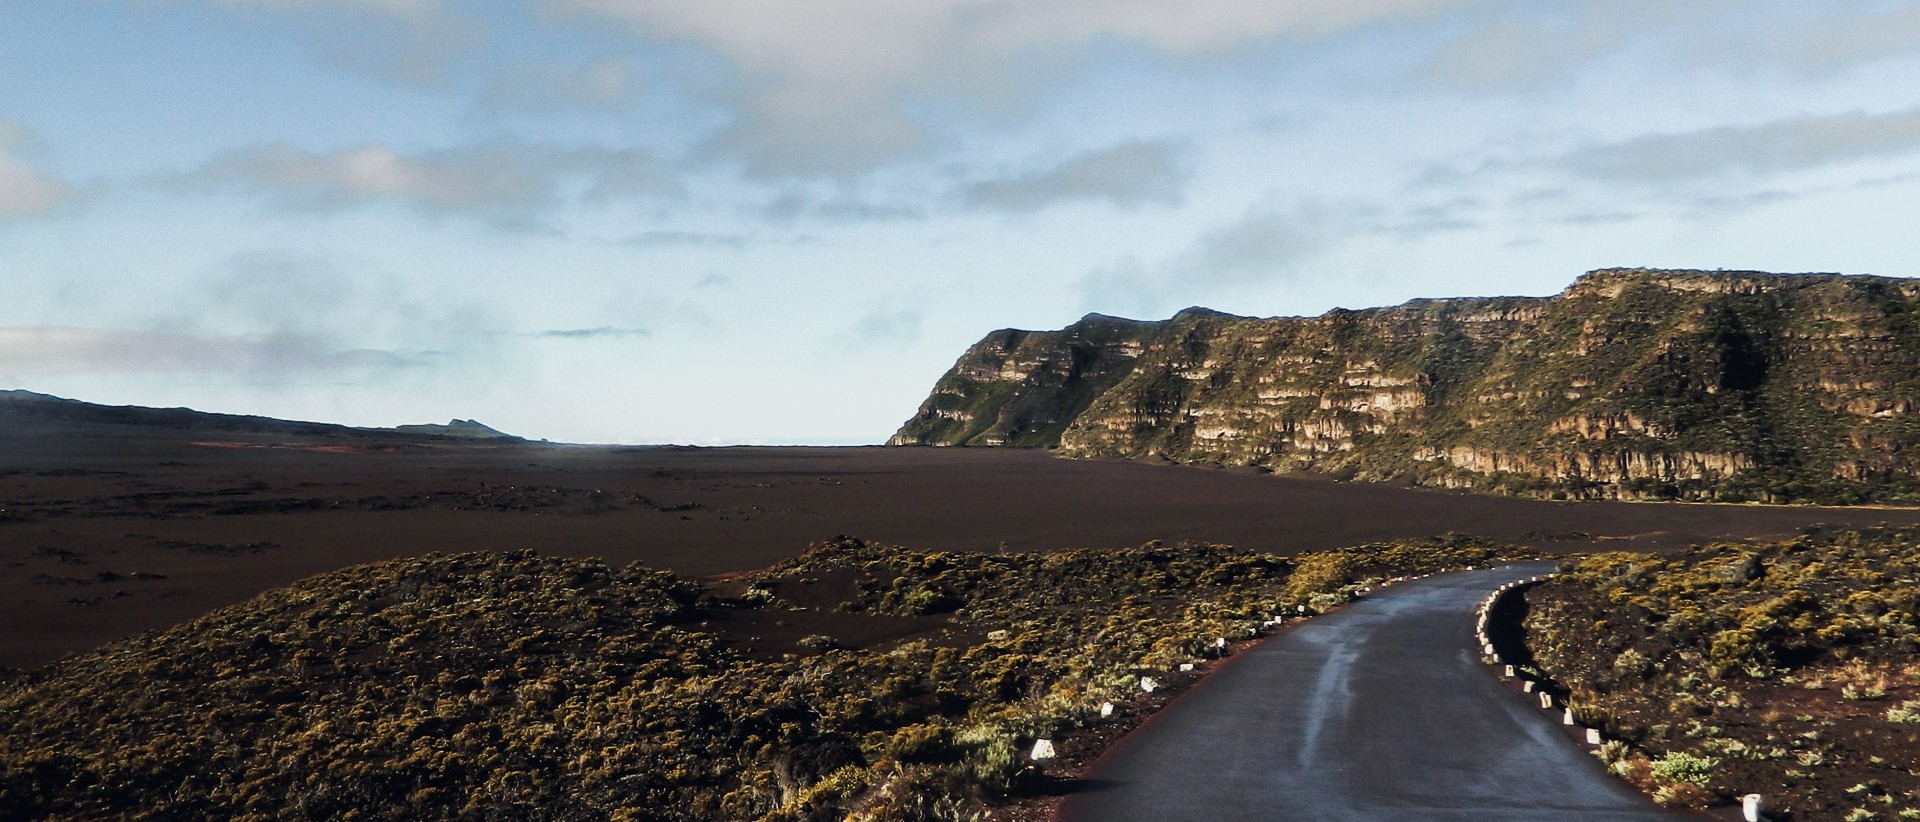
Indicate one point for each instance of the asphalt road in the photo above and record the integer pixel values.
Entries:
(1379, 711)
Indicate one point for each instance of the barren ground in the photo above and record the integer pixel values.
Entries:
(106, 531)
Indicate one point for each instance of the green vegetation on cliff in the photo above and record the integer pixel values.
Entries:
(1736, 386)
(1022, 388)
(516, 686)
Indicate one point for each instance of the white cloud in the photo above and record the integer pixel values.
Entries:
(502, 180)
(59, 351)
(398, 9)
(25, 192)
(1846, 34)
(445, 183)
(1268, 242)
(14, 135)
(883, 326)
(602, 332)
(836, 203)
(601, 84)
(1509, 52)
(826, 88)
(1129, 174)
(666, 237)
(415, 41)
(1763, 149)
(1543, 43)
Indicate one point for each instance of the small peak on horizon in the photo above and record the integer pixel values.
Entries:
(24, 394)
(457, 427)
(1097, 317)
(1200, 312)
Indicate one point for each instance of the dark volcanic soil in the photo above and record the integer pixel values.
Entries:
(107, 530)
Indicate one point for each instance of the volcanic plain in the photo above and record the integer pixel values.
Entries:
(109, 528)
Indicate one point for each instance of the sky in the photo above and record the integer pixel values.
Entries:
(780, 221)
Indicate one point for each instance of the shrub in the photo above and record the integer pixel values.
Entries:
(1679, 766)
(1905, 713)
(922, 743)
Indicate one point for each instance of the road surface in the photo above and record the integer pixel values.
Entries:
(1379, 711)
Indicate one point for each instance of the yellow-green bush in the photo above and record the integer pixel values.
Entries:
(515, 686)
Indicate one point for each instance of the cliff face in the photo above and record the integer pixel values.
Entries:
(1630, 383)
(1025, 387)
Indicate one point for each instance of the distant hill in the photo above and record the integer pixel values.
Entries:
(30, 412)
(1631, 383)
(463, 429)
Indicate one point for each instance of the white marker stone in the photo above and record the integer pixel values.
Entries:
(1147, 684)
(1750, 807)
(1546, 700)
(1593, 736)
(1042, 750)
(1185, 667)
(1106, 709)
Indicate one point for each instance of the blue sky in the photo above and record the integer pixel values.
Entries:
(760, 221)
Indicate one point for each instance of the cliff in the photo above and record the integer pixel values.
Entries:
(1631, 383)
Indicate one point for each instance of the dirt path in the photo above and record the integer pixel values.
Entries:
(1380, 710)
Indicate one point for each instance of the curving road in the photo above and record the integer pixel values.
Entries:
(1380, 710)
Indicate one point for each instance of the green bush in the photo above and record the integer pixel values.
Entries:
(1678, 766)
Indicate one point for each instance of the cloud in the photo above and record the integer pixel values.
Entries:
(597, 333)
(836, 203)
(28, 193)
(57, 350)
(1460, 213)
(14, 135)
(1514, 50)
(266, 318)
(657, 238)
(501, 180)
(1722, 203)
(1510, 46)
(830, 88)
(1593, 218)
(895, 326)
(25, 192)
(1847, 34)
(324, 302)
(397, 9)
(448, 182)
(1130, 174)
(602, 84)
(379, 8)
(1268, 242)
(1764, 149)
(415, 41)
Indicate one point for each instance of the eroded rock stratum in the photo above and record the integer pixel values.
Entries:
(1630, 383)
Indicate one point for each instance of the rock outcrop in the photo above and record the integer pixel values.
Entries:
(1630, 383)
